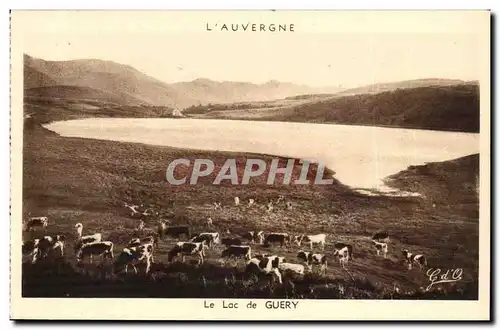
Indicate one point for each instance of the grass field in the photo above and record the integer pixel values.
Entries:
(81, 180)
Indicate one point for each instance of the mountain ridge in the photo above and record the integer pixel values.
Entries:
(120, 79)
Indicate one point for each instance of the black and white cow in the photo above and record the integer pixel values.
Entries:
(187, 249)
(85, 239)
(265, 266)
(343, 254)
(133, 256)
(340, 245)
(311, 259)
(136, 242)
(209, 238)
(37, 222)
(51, 246)
(255, 236)
(381, 248)
(411, 258)
(30, 248)
(103, 249)
(381, 237)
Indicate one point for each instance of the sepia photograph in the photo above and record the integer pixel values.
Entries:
(232, 164)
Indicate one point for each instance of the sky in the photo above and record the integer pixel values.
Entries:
(327, 48)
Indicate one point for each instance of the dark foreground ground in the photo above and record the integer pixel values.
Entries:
(81, 180)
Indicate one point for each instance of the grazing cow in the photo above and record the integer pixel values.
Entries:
(104, 249)
(255, 236)
(289, 206)
(382, 237)
(51, 244)
(150, 212)
(380, 248)
(311, 259)
(187, 248)
(134, 255)
(251, 201)
(30, 248)
(135, 242)
(238, 251)
(173, 231)
(217, 205)
(208, 238)
(236, 201)
(339, 246)
(85, 239)
(281, 238)
(294, 268)
(280, 199)
(140, 227)
(311, 239)
(265, 266)
(343, 255)
(37, 222)
(411, 258)
(230, 241)
(269, 207)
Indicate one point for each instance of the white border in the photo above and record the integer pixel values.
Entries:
(92, 4)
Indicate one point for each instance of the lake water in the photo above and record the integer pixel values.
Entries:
(361, 156)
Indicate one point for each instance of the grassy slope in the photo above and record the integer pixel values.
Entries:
(80, 180)
(454, 108)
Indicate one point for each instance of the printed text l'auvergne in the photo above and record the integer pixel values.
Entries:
(250, 27)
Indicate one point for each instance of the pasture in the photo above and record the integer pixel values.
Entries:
(73, 180)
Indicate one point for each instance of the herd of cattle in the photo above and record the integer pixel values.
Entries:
(142, 250)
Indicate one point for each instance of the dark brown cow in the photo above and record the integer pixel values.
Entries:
(173, 231)
(230, 241)
(281, 238)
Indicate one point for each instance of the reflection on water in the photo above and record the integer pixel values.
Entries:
(361, 156)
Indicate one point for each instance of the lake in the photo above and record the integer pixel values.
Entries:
(361, 156)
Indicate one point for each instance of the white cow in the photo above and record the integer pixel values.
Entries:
(295, 268)
(311, 239)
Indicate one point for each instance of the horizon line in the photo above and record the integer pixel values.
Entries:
(341, 87)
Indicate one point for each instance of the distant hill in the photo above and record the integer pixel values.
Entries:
(441, 108)
(78, 93)
(134, 87)
(391, 86)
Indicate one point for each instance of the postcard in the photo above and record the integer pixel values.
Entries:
(250, 165)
